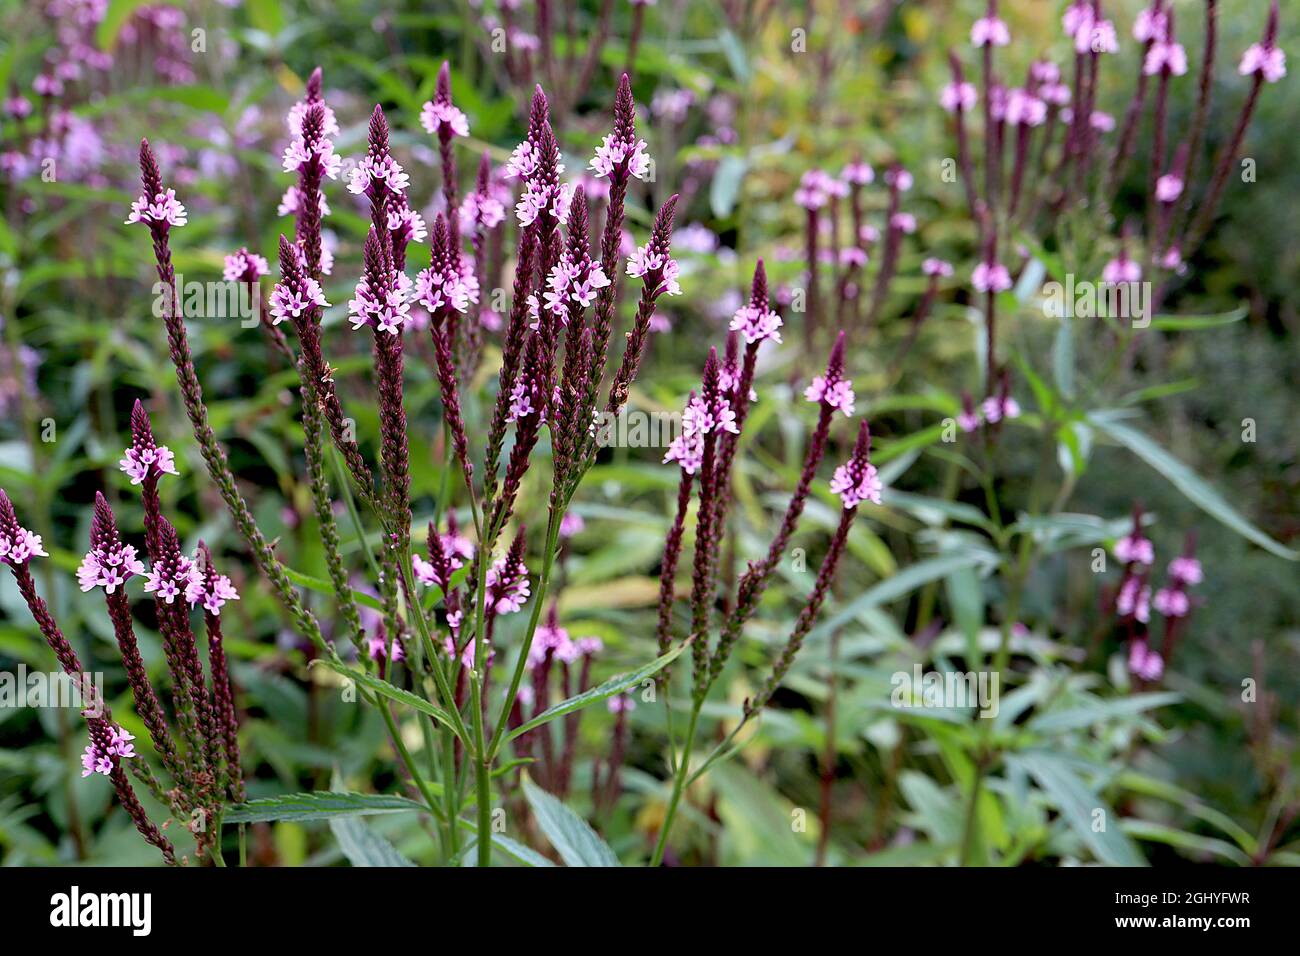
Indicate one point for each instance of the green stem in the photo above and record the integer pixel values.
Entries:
(679, 786)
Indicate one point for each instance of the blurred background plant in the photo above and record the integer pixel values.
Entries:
(739, 101)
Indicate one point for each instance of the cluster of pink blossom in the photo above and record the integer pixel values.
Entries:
(832, 390)
(108, 568)
(384, 308)
(698, 420)
(93, 760)
(507, 585)
(172, 579)
(372, 173)
(140, 462)
(756, 325)
(857, 481)
(289, 300)
(164, 207)
(20, 547)
(244, 266)
(647, 262)
(614, 152)
(437, 116)
(212, 591)
(573, 284)
(456, 550)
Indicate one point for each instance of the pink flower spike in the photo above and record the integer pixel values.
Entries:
(936, 267)
(856, 480)
(140, 462)
(1171, 602)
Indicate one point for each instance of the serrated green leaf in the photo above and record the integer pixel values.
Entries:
(609, 688)
(1077, 803)
(385, 689)
(1074, 718)
(364, 847)
(1193, 487)
(575, 841)
(317, 805)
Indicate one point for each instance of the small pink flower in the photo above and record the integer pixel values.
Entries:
(1150, 25)
(1121, 269)
(858, 174)
(989, 30)
(645, 263)
(1025, 109)
(1145, 663)
(837, 393)
(958, 96)
(1268, 61)
(167, 584)
(1171, 602)
(1167, 56)
(1130, 549)
(1102, 122)
(108, 569)
(1134, 600)
(290, 300)
(21, 548)
(936, 267)
(165, 208)
(620, 704)
(140, 463)
(244, 266)
(756, 325)
(903, 221)
(1185, 570)
(1168, 188)
(370, 172)
(572, 523)
(998, 407)
(434, 117)
(687, 450)
(854, 488)
(613, 153)
(991, 277)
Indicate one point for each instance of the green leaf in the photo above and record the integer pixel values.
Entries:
(1190, 323)
(1077, 803)
(317, 805)
(1160, 833)
(575, 841)
(1074, 718)
(1063, 357)
(1193, 487)
(385, 689)
(522, 853)
(900, 585)
(725, 188)
(115, 17)
(266, 15)
(362, 846)
(614, 685)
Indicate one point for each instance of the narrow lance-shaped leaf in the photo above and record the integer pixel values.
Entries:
(382, 687)
(614, 685)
